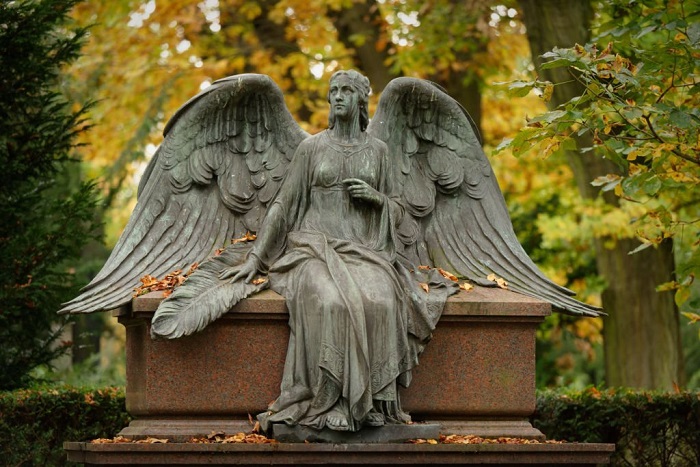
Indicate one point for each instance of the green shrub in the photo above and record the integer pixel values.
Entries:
(34, 423)
(648, 428)
(46, 217)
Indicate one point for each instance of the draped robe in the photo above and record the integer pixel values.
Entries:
(358, 318)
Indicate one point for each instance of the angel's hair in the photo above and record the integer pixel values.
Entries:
(361, 85)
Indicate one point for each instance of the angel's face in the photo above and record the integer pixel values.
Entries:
(343, 97)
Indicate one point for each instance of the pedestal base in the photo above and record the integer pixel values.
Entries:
(367, 435)
(339, 454)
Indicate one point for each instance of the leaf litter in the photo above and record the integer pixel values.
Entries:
(166, 284)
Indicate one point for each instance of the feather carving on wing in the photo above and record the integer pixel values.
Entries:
(456, 217)
(222, 160)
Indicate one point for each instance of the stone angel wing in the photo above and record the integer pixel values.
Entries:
(223, 158)
(456, 216)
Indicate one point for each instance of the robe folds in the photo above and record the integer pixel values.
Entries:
(358, 316)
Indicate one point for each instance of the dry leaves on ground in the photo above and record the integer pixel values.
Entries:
(239, 438)
(122, 439)
(473, 439)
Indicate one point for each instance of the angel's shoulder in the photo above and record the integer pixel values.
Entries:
(378, 144)
(311, 141)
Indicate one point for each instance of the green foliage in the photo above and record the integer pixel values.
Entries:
(44, 220)
(34, 423)
(648, 428)
(639, 107)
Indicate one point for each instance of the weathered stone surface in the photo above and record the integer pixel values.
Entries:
(367, 435)
(569, 454)
(184, 429)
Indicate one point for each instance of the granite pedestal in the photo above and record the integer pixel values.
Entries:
(476, 376)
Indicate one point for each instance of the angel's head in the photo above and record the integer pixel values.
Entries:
(360, 84)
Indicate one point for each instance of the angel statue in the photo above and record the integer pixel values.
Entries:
(351, 224)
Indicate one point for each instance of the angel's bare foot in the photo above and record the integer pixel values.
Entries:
(375, 418)
(335, 420)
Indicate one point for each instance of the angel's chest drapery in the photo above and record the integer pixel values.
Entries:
(330, 209)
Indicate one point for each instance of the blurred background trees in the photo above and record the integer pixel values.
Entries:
(144, 59)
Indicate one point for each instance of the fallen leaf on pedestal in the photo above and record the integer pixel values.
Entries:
(498, 280)
(167, 284)
(466, 286)
(152, 441)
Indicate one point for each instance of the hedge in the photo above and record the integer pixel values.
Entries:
(34, 423)
(648, 428)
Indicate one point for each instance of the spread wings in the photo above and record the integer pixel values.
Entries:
(456, 215)
(222, 160)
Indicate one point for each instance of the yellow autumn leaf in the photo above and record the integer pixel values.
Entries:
(547, 92)
(498, 280)
(693, 317)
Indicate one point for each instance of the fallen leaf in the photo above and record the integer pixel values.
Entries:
(466, 286)
(425, 287)
(152, 441)
(259, 280)
(167, 284)
(498, 280)
(248, 237)
(447, 275)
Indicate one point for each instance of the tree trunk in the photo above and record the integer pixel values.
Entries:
(642, 335)
(360, 29)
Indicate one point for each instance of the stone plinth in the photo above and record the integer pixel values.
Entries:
(477, 375)
(367, 454)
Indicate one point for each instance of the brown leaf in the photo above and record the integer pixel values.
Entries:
(248, 237)
(447, 275)
(425, 287)
(259, 280)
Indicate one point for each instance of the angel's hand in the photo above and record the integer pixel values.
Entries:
(246, 270)
(359, 189)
